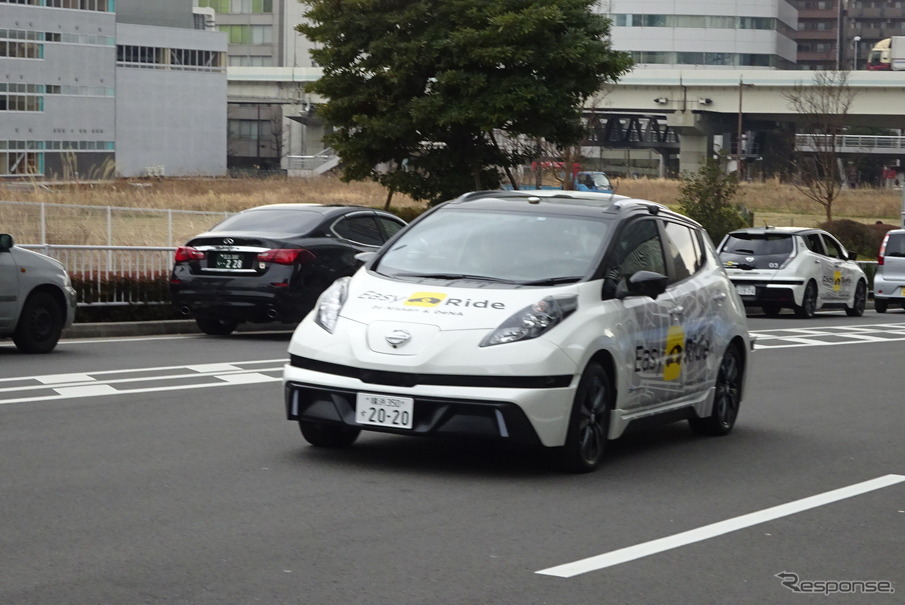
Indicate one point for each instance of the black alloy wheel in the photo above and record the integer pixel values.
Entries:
(726, 398)
(40, 324)
(589, 422)
(860, 301)
(808, 302)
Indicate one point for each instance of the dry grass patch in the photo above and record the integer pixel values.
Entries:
(772, 202)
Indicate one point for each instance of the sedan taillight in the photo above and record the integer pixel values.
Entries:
(286, 256)
(186, 254)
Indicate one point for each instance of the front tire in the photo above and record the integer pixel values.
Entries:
(328, 435)
(726, 399)
(860, 301)
(214, 326)
(589, 422)
(808, 302)
(40, 325)
(880, 305)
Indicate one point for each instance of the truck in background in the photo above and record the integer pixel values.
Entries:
(887, 55)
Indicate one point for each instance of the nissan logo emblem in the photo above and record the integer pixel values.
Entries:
(397, 338)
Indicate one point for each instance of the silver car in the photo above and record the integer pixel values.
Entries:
(793, 267)
(889, 281)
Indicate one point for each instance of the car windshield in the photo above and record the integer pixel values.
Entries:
(757, 244)
(276, 220)
(497, 246)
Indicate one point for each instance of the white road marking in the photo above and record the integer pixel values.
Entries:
(58, 378)
(623, 555)
(213, 367)
(249, 378)
(90, 390)
(784, 338)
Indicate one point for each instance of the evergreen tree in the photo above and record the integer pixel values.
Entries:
(430, 97)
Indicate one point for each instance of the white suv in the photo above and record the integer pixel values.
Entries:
(793, 267)
(37, 300)
(889, 281)
(555, 318)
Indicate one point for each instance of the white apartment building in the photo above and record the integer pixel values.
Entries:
(101, 88)
(690, 34)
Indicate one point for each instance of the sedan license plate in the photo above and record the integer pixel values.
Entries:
(229, 261)
(745, 290)
(384, 410)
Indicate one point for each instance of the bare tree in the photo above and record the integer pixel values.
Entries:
(823, 107)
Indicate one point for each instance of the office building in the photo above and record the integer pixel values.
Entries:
(93, 89)
(697, 34)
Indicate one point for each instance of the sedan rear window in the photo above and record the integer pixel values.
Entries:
(757, 244)
(279, 221)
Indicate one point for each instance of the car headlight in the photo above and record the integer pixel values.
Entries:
(330, 303)
(532, 321)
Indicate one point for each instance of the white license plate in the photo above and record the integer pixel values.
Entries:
(745, 290)
(384, 410)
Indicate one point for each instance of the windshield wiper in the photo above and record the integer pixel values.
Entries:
(552, 281)
(455, 276)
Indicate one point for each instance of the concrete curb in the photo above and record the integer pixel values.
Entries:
(154, 328)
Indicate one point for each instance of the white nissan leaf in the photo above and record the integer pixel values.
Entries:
(553, 318)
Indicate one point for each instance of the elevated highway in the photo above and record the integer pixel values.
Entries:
(699, 103)
(664, 109)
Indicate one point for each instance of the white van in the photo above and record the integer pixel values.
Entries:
(37, 301)
(552, 318)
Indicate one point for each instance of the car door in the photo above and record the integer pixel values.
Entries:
(9, 279)
(819, 267)
(645, 324)
(697, 298)
(844, 270)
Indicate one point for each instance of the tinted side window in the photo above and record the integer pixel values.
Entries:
(813, 243)
(682, 247)
(361, 229)
(833, 248)
(637, 248)
(390, 226)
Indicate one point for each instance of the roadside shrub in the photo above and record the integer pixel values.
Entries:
(858, 237)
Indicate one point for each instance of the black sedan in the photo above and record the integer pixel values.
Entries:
(270, 263)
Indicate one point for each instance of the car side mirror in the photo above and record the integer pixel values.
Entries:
(642, 283)
(6, 242)
(852, 256)
(364, 257)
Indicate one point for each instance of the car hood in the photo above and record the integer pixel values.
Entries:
(459, 305)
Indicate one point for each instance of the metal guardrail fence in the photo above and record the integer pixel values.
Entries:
(44, 223)
(114, 275)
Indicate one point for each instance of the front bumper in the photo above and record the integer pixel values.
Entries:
(443, 405)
